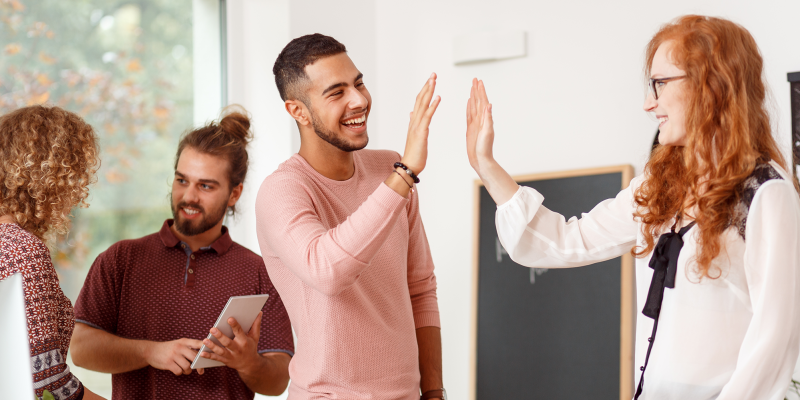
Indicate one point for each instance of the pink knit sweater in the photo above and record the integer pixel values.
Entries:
(351, 262)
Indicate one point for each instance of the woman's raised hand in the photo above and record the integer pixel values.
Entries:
(480, 139)
(480, 127)
(416, 152)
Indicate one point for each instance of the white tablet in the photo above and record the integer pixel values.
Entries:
(245, 310)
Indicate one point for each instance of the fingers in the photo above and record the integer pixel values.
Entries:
(223, 340)
(469, 114)
(237, 329)
(255, 329)
(424, 99)
(192, 343)
(184, 365)
(200, 371)
(426, 119)
(423, 94)
(210, 345)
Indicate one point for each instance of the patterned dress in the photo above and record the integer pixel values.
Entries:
(49, 312)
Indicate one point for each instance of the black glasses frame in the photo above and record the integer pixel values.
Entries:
(658, 81)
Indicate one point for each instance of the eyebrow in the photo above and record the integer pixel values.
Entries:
(180, 175)
(341, 84)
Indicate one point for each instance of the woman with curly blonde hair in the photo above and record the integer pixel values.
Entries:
(714, 222)
(48, 158)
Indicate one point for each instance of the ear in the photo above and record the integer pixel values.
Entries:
(235, 194)
(297, 109)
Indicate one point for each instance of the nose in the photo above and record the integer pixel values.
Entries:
(190, 195)
(650, 103)
(357, 100)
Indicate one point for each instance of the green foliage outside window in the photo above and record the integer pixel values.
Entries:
(125, 66)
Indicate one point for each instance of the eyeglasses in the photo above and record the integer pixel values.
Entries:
(657, 85)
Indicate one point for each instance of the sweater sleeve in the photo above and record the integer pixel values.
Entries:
(534, 236)
(327, 260)
(772, 268)
(421, 279)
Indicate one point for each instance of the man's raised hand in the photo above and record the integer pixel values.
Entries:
(416, 153)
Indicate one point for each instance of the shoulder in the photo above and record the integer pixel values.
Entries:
(15, 240)
(125, 248)
(243, 254)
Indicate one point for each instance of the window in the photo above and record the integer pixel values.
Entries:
(128, 67)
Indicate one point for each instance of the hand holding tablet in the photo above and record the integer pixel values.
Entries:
(228, 343)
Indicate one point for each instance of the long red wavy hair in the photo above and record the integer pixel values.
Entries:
(727, 133)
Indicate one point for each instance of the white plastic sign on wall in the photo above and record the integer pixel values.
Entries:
(489, 46)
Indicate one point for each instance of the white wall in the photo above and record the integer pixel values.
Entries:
(573, 102)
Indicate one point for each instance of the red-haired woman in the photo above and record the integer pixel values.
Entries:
(48, 158)
(728, 322)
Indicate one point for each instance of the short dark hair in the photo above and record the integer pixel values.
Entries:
(289, 68)
(228, 139)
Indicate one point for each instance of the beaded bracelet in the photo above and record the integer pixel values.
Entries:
(408, 171)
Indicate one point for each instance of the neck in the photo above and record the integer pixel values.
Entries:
(7, 219)
(326, 159)
(200, 240)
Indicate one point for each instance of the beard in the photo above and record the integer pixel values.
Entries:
(331, 137)
(196, 227)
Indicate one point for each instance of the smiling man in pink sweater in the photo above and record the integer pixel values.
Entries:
(341, 235)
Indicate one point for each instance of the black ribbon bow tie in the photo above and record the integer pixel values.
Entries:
(664, 263)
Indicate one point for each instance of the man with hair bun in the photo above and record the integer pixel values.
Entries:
(342, 238)
(147, 303)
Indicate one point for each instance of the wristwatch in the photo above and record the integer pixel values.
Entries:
(434, 394)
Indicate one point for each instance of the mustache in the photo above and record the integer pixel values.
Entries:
(196, 206)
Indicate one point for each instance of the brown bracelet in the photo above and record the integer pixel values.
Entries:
(404, 180)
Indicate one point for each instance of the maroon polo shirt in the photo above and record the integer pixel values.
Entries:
(156, 288)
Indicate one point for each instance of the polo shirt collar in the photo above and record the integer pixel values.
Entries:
(221, 245)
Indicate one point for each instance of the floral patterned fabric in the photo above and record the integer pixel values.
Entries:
(49, 312)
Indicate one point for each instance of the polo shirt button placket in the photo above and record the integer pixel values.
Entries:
(190, 275)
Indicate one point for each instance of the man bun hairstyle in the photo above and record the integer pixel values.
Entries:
(226, 138)
(289, 68)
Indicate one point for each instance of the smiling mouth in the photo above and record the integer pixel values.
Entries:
(190, 212)
(662, 120)
(357, 122)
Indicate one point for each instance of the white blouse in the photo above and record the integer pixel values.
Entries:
(735, 337)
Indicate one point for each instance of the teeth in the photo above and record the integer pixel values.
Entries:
(190, 211)
(663, 119)
(355, 120)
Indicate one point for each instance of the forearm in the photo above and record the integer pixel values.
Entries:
(101, 351)
(500, 185)
(429, 341)
(270, 374)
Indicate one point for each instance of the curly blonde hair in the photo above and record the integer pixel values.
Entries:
(49, 157)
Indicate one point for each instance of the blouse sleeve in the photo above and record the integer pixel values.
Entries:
(537, 237)
(772, 268)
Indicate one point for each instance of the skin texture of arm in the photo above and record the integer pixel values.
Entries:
(266, 374)
(101, 351)
(429, 341)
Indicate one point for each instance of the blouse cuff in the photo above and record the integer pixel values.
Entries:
(513, 198)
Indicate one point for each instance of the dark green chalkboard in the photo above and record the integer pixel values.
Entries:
(553, 333)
